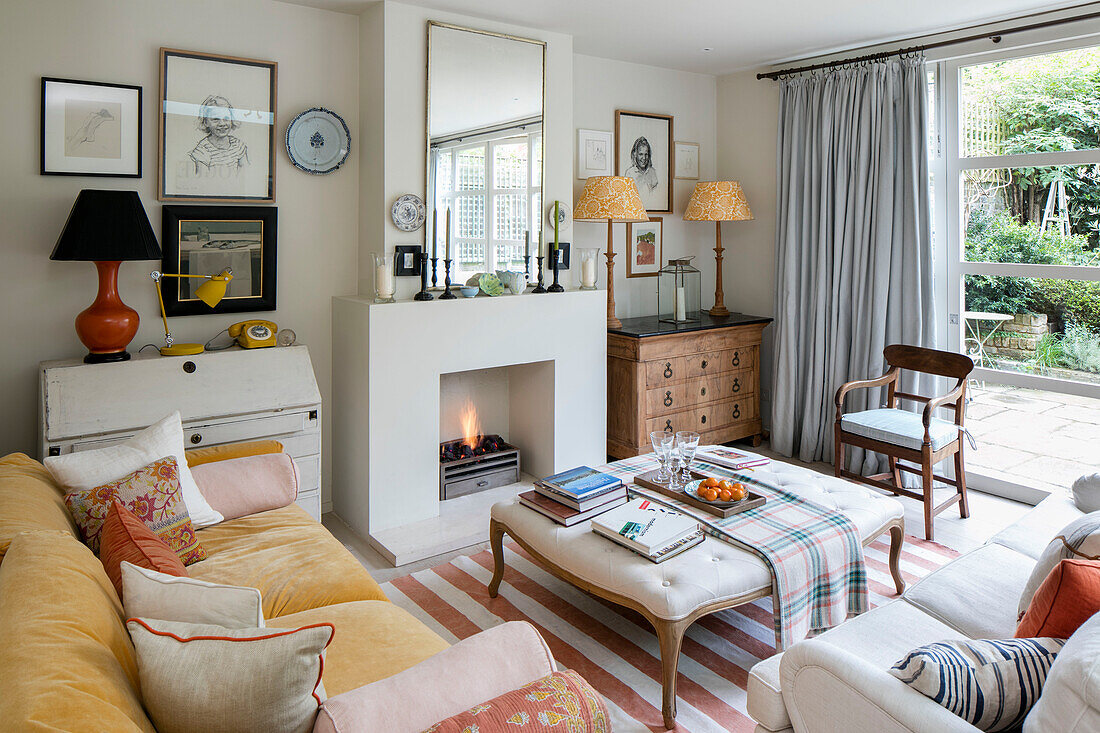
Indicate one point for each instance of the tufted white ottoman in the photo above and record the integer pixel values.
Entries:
(709, 577)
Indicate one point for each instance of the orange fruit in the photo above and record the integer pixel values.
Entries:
(738, 492)
(725, 495)
(723, 484)
(711, 482)
(709, 494)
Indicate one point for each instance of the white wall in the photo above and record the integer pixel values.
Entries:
(601, 86)
(118, 41)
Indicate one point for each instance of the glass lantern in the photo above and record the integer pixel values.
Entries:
(588, 259)
(384, 285)
(678, 292)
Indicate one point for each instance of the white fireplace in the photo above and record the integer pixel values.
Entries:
(536, 362)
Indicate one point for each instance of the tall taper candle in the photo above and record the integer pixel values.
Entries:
(435, 233)
(527, 243)
(447, 256)
(557, 208)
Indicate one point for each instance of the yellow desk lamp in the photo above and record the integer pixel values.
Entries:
(210, 292)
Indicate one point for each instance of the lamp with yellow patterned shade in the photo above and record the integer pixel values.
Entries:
(610, 198)
(718, 201)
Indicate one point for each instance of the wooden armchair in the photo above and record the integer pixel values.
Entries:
(901, 434)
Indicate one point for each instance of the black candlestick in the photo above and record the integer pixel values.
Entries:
(447, 294)
(423, 294)
(527, 266)
(539, 288)
(435, 265)
(555, 287)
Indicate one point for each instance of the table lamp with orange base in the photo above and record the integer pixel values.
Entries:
(210, 292)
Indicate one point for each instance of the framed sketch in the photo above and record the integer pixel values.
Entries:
(204, 240)
(217, 128)
(644, 247)
(593, 153)
(406, 260)
(563, 255)
(90, 129)
(643, 151)
(687, 161)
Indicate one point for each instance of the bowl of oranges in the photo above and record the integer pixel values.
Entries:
(720, 492)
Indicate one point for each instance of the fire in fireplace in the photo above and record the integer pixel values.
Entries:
(476, 462)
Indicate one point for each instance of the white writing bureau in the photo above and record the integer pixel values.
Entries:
(223, 397)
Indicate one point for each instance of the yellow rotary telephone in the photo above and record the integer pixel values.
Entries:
(253, 334)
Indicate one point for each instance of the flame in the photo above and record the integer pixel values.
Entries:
(471, 425)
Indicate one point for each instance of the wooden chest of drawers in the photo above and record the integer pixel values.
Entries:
(704, 378)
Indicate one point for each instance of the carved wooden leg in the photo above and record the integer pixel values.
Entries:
(838, 458)
(926, 486)
(757, 440)
(960, 478)
(896, 471)
(897, 537)
(670, 635)
(496, 541)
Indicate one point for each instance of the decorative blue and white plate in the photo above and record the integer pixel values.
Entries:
(318, 141)
(408, 212)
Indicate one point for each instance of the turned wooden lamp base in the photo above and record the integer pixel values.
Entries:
(719, 310)
(612, 320)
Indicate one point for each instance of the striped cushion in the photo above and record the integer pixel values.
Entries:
(990, 684)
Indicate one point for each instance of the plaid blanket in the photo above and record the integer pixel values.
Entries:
(815, 554)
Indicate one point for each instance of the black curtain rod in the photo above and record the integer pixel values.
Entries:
(994, 36)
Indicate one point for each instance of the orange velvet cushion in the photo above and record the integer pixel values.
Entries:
(125, 537)
(214, 453)
(562, 699)
(1067, 598)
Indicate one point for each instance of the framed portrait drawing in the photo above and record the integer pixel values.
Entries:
(90, 129)
(593, 153)
(406, 260)
(644, 247)
(205, 240)
(687, 161)
(217, 128)
(643, 151)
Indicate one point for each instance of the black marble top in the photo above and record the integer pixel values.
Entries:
(650, 326)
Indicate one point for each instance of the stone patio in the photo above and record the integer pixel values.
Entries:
(1040, 439)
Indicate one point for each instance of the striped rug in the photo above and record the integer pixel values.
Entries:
(616, 649)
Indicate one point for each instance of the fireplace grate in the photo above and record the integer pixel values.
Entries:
(463, 476)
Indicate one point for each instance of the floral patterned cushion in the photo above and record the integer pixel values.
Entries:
(562, 701)
(154, 495)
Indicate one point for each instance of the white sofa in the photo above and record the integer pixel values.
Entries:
(839, 681)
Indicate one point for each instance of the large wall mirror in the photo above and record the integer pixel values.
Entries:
(485, 147)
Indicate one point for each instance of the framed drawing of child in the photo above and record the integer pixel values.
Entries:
(217, 128)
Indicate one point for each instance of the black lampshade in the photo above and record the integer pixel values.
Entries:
(107, 225)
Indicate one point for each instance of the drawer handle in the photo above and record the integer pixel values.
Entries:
(668, 425)
(736, 412)
(737, 358)
(703, 419)
(189, 367)
(703, 392)
(196, 438)
(736, 384)
(668, 399)
(482, 483)
(668, 369)
(704, 364)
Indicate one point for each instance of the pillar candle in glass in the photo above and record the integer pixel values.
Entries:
(588, 259)
(384, 285)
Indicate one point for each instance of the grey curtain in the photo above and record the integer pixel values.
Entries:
(853, 243)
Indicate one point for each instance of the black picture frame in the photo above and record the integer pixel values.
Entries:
(563, 253)
(183, 222)
(54, 124)
(405, 260)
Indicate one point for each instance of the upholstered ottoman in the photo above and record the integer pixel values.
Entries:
(712, 576)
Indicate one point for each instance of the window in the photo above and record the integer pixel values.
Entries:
(493, 188)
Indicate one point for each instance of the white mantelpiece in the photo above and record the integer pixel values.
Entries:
(387, 361)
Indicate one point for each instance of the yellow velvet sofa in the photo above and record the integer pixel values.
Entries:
(66, 661)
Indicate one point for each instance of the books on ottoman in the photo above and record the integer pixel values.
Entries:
(649, 529)
(581, 488)
(732, 459)
(563, 514)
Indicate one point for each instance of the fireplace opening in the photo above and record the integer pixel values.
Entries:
(475, 462)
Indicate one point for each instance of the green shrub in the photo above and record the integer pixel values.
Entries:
(1049, 351)
(1080, 348)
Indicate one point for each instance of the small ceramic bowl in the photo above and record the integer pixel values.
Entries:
(469, 291)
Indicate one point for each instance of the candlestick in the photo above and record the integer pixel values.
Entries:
(539, 288)
(435, 266)
(527, 267)
(447, 294)
(555, 287)
(423, 294)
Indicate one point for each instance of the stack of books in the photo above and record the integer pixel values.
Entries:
(575, 495)
(732, 459)
(649, 529)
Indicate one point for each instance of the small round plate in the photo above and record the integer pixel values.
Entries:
(318, 141)
(408, 212)
(490, 284)
(565, 216)
(693, 490)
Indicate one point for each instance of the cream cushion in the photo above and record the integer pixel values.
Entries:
(150, 594)
(1080, 538)
(1070, 702)
(899, 427)
(199, 677)
(1086, 492)
(91, 468)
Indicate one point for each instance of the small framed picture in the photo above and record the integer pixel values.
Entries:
(687, 161)
(406, 260)
(90, 129)
(204, 240)
(643, 151)
(644, 248)
(563, 253)
(593, 153)
(217, 128)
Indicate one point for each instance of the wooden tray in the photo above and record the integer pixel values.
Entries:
(752, 500)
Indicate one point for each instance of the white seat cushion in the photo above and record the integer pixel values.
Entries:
(881, 636)
(976, 594)
(899, 427)
(1034, 531)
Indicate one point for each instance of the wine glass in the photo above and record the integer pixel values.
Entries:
(662, 446)
(675, 463)
(687, 442)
